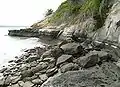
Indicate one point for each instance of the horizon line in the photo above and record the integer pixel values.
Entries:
(14, 26)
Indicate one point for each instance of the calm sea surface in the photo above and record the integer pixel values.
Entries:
(13, 46)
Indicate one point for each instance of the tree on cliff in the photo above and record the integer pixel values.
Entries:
(48, 12)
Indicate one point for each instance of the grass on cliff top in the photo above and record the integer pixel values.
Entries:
(92, 8)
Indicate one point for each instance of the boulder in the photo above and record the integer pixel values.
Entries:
(37, 81)
(51, 72)
(15, 79)
(33, 64)
(79, 35)
(2, 80)
(89, 60)
(28, 84)
(49, 59)
(102, 76)
(43, 77)
(8, 80)
(15, 85)
(46, 54)
(32, 58)
(2, 70)
(69, 67)
(29, 78)
(39, 67)
(21, 83)
(26, 73)
(63, 59)
(72, 48)
(103, 55)
(55, 52)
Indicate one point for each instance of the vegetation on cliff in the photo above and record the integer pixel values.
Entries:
(76, 11)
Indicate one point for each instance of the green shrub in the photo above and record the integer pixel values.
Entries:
(89, 8)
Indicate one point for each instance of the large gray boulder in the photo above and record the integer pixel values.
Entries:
(56, 52)
(97, 76)
(72, 48)
(64, 58)
(69, 67)
(89, 60)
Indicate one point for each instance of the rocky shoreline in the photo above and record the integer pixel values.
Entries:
(87, 56)
(71, 63)
(29, 32)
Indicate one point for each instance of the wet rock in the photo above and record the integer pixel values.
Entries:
(48, 59)
(37, 81)
(8, 80)
(33, 64)
(15, 79)
(26, 73)
(46, 54)
(62, 43)
(69, 67)
(39, 67)
(72, 48)
(9, 86)
(97, 44)
(103, 55)
(10, 61)
(89, 60)
(43, 71)
(51, 62)
(18, 60)
(56, 52)
(51, 72)
(32, 58)
(28, 84)
(23, 68)
(21, 83)
(2, 80)
(29, 78)
(16, 85)
(43, 77)
(30, 50)
(64, 58)
(2, 70)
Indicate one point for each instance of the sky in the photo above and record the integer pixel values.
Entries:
(25, 12)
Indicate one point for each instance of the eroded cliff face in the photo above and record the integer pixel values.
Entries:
(99, 19)
(111, 29)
